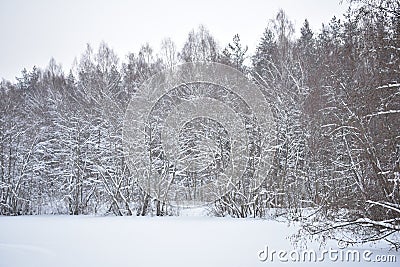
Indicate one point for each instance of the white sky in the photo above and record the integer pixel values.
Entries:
(31, 32)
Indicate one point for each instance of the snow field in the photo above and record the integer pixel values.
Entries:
(144, 241)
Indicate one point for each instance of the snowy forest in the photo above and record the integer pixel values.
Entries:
(334, 94)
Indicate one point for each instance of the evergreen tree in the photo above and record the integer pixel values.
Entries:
(265, 53)
(234, 54)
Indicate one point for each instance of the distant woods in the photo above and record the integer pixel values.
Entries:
(335, 95)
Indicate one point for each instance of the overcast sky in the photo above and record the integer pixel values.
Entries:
(34, 31)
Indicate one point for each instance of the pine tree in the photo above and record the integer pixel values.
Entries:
(265, 53)
(234, 54)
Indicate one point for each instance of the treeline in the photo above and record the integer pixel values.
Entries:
(335, 96)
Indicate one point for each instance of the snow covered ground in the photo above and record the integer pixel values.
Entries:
(148, 241)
